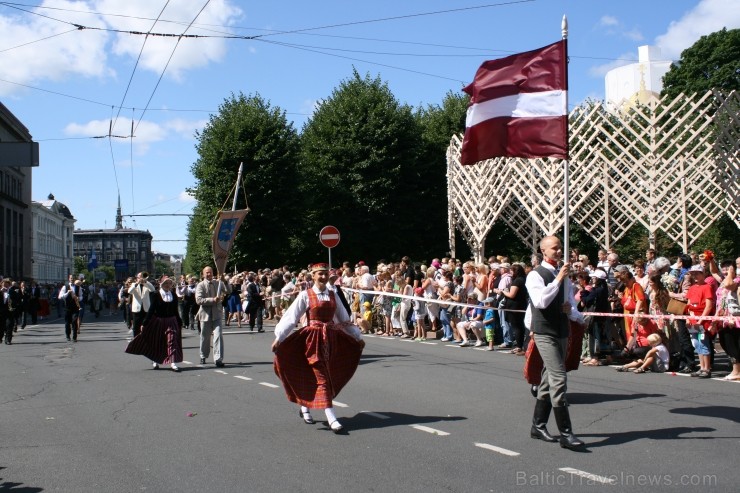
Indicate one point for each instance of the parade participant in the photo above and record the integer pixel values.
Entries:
(316, 362)
(209, 295)
(140, 300)
(160, 339)
(71, 295)
(551, 305)
(6, 312)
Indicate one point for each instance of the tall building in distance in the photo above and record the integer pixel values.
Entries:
(53, 241)
(636, 83)
(127, 250)
(15, 197)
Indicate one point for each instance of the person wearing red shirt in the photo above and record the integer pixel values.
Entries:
(700, 303)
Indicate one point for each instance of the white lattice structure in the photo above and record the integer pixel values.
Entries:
(673, 167)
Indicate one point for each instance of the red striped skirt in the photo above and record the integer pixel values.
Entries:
(315, 363)
(160, 340)
(533, 360)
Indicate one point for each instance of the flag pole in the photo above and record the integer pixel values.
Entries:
(566, 170)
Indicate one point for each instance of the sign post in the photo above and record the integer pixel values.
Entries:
(329, 237)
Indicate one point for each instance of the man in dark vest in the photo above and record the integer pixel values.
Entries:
(551, 305)
(71, 295)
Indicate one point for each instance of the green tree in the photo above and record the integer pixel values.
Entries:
(713, 62)
(246, 129)
(428, 179)
(162, 268)
(357, 153)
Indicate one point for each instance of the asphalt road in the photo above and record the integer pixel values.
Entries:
(86, 417)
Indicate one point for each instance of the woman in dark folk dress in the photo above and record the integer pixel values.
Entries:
(160, 339)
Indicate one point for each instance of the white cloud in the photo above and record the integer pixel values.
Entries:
(707, 17)
(633, 34)
(91, 53)
(608, 20)
(601, 70)
(190, 53)
(76, 52)
(186, 197)
(310, 106)
(145, 134)
(185, 128)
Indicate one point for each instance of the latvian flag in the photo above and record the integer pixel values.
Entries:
(518, 107)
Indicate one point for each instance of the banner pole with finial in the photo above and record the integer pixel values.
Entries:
(566, 170)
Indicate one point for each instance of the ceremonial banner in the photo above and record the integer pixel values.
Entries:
(224, 234)
(518, 107)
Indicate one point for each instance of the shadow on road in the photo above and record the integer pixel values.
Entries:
(611, 439)
(364, 421)
(372, 358)
(592, 398)
(725, 412)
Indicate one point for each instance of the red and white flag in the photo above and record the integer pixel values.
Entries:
(518, 107)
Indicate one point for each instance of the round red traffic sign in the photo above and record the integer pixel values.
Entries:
(329, 236)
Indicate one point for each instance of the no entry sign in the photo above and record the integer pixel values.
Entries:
(329, 236)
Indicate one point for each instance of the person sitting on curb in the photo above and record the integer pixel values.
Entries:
(474, 322)
(656, 359)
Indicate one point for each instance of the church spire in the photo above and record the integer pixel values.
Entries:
(119, 217)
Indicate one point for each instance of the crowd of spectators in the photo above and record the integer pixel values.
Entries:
(483, 304)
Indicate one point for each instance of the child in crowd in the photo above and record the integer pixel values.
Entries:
(656, 359)
(489, 320)
(420, 311)
(365, 321)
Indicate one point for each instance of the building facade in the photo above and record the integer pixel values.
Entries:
(15, 204)
(53, 241)
(636, 83)
(127, 250)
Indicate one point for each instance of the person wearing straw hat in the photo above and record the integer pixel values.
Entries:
(160, 339)
(316, 362)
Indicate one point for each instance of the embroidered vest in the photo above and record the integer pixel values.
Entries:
(321, 311)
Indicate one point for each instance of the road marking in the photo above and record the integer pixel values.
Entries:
(242, 377)
(481, 348)
(221, 372)
(432, 343)
(430, 430)
(588, 475)
(271, 385)
(494, 448)
(187, 362)
(376, 415)
(452, 345)
(339, 404)
(407, 340)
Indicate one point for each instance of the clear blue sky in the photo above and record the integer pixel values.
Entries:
(66, 84)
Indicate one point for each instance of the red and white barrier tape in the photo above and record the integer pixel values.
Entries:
(729, 319)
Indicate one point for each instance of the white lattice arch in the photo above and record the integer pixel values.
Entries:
(671, 165)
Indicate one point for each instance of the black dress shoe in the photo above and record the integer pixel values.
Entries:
(219, 364)
(307, 418)
(202, 361)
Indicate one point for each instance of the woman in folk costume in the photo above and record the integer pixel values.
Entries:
(315, 362)
(160, 339)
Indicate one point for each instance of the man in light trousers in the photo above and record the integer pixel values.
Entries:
(208, 295)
